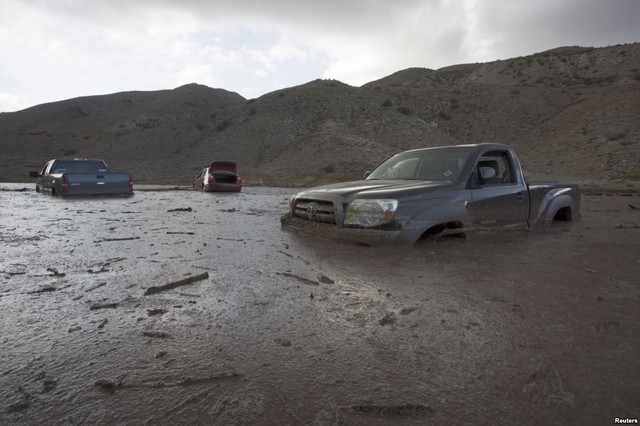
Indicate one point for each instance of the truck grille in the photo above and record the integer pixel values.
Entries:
(316, 210)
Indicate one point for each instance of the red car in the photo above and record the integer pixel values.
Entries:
(219, 176)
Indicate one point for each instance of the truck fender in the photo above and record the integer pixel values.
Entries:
(438, 214)
(551, 204)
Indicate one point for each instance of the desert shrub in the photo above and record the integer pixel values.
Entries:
(250, 101)
(444, 115)
(387, 103)
(614, 136)
(632, 175)
(223, 125)
(329, 168)
(404, 110)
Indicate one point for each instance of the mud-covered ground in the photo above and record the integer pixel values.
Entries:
(275, 328)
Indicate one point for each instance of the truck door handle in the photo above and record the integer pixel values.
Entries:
(519, 196)
(100, 176)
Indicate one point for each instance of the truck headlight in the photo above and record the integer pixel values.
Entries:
(370, 212)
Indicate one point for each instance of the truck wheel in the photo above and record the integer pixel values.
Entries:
(203, 188)
(53, 192)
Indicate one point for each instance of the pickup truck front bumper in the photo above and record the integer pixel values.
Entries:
(361, 236)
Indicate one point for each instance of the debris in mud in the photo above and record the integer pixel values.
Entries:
(633, 207)
(103, 306)
(180, 233)
(545, 387)
(156, 334)
(23, 404)
(631, 226)
(608, 325)
(46, 289)
(407, 311)
(404, 410)
(49, 385)
(13, 273)
(108, 385)
(95, 287)
(175, 284)
(14, 190)
(299, 278)
(153, 312)
(285, 253)
(325, 279)
(388, 319)
(180, 209)
(99, 271)
(103, 323)
(54, 272)
(116, 239)
(282, 341)
(160, 354)
(232, 210)
(74, 328)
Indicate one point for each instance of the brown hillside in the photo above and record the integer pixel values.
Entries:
(570, 112)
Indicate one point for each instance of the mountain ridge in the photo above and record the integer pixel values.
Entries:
(570, 111)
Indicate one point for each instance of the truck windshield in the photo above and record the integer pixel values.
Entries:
(75, 166)
(435, 164)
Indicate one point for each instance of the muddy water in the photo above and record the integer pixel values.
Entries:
(516, 328)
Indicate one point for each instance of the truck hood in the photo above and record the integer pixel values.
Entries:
(371, 189)
(223, 166)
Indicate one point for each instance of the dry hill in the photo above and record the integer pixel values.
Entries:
(570, 112)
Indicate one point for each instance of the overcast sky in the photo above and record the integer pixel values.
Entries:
(53, 50)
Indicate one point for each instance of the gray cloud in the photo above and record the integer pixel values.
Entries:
(58, 50)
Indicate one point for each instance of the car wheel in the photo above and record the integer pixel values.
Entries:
(204, 188)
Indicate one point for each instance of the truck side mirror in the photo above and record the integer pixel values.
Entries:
(367, 173)
(34, 174)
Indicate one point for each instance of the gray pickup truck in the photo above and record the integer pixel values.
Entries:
(81, 176)
(424, 192)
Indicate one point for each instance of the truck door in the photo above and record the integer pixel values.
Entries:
(501, 199)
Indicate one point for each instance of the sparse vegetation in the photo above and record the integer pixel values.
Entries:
(632, 175)
(444, 115)
(223, 125)
(404, 110)
(614, 136)
(329, 168)
(387, 103)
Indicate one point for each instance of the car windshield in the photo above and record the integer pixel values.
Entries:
(435, 164)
